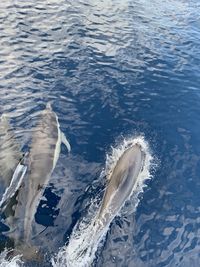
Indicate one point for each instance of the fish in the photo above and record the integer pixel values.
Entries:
(120, 184)
(10, 153)
(43, 156)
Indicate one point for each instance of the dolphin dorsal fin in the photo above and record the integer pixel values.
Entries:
(65, 142)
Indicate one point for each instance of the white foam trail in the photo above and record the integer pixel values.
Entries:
(85, 238)
(5, 261)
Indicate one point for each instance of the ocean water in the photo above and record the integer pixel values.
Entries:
(113, 70)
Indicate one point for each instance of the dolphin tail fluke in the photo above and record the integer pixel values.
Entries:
(65, 142)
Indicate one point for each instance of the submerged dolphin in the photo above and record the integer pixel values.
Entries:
(121, 183)
(10, 154)
(15, 184)
(44, 152)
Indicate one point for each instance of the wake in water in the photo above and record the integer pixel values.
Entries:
(89, 233)
(5, 261)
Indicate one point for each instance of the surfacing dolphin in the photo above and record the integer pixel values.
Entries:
(44, 152)
(121, 183)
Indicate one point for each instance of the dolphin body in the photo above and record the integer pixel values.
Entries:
(12, 169)
(10, 154)
(44, 152)
(121, 182)
(15, 184)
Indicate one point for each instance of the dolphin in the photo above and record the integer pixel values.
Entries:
(10, 154)
(122, 180)
(15, 184)
(121, 183)
(43, 155)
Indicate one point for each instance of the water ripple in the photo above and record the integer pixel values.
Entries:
(113, 69)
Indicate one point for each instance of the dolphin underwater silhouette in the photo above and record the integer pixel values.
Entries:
(15, 184)
(10, 154)
(12, 169)
(41, 161)
(44, 153)
(121, 182)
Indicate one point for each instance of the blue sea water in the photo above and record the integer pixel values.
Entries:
(111, 69)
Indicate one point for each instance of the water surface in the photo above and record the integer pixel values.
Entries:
(112, 69)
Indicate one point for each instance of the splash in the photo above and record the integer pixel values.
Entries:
(5, 261)
(87, 236)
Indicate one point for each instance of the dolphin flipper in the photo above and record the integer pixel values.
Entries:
(65, 142)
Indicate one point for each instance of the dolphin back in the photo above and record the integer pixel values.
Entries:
(122, 181)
